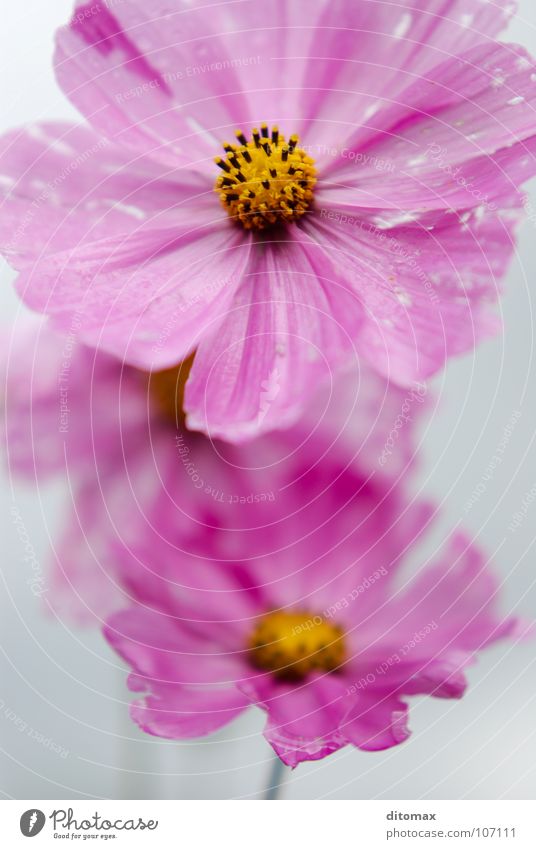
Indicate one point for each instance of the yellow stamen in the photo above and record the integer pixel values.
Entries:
(167, 389)
(265, 181)
(291, 645)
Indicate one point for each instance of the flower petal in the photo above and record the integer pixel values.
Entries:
(460, 593)
(270, 46)
(303, 719)
(66, 405)
(161, 646)
(181, 713)
(432, 630)
(458, 138)
(158, 80)
(211, 597)
(62, 184)
(291, 324)
(365, 54)
(148, 297)
(154, 646)
(374, 725)
(426, 291)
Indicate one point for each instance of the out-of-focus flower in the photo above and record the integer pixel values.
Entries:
(137, 476)
(379, 233)
(322, 634)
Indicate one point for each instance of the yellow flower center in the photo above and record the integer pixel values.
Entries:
(265, 181)
(167, 389)
(292, 645)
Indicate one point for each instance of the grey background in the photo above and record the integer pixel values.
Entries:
(68, 687)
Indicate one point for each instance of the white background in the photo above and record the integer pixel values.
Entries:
(69, 687)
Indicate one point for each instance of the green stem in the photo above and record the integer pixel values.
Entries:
(276, 780)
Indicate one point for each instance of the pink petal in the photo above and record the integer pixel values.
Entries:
(291, 324)
(366, 53)
(443, 678)
(64, 185)
(193, 582)
(82, 585)
(425, 291)
(357, 412)
(147, 297)
(303, 719)
(339, 547)
(270, 46)
(153, 645)
(460, 593)
(182, 713)
(158, 81)
(66, 404)
(374, 725)
(454, 139)
(164, 647)
(428, 633)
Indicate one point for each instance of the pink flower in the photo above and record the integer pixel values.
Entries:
(380, 235)
(137, 477)
(323, 634)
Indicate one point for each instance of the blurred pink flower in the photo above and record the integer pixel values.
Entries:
(388, 247)
(323, 634)
(137, 476)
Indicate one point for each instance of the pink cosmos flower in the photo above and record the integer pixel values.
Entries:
(378, 232)
(136, 476)
(323, 635)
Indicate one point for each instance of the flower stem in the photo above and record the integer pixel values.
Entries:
(276, 780)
